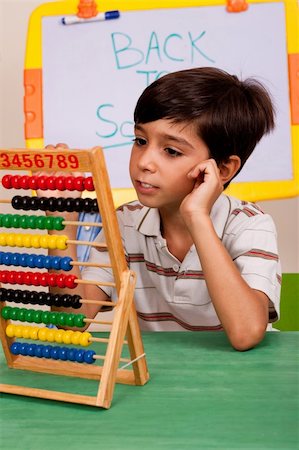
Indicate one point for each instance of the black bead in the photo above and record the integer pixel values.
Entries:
(60, 204)
(34, 203)
(43, 203)
(94, 205)
(76, 301)
(69, 204)
(17, 202)
(52, 204)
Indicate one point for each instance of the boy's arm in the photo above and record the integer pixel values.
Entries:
(242, 311)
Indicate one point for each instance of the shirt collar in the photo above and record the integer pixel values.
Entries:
(147, 220)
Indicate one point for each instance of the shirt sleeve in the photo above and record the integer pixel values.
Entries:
(252, 244)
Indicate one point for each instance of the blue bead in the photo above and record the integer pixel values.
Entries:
(15, 348)
(31, 261)
(23, 259)
(31, 350)
(15, 258)
(7, 259)
(88, 356)
(46, 352)
(48, 262)
(63, 353)
(56, 262)
(71, 354)
(66, 263)
(80, 356)
(39, 351)
(55, 352)
(39, 261)
(24, 349)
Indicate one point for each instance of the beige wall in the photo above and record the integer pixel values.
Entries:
(14, 17)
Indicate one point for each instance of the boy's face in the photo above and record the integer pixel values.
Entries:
(162, 156)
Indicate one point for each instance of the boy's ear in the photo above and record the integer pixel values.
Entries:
(229, 168)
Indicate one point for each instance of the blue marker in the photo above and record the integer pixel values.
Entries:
(109, 15)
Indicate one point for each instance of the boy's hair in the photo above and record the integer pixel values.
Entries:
(230, 115)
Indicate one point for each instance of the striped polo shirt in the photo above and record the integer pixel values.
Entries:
(172, 295)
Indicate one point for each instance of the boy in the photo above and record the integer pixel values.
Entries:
(204, 261)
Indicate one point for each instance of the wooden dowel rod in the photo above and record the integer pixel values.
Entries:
(97, 302)
(90, 264)
(132, 361)
(83, 224)
(105, 340)
(103, 357)
(4, 200)
(99, 322)
(93, 244)
(97, 283)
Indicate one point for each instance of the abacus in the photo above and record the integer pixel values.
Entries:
(59, 356)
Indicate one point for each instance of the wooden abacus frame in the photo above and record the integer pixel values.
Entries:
(124, 321)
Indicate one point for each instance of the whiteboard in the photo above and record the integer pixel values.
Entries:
(94, 73)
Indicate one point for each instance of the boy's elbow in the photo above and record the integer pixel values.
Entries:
(246, 338)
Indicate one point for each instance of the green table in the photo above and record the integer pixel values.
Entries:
(202, 395)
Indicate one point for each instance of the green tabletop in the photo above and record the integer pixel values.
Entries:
(202, 395)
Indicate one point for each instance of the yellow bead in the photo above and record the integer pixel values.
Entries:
(52, 242)
(59, 336)
(26, 332)
(76, 337)
(84, 339)
(61, 242)
(19, 240)
(35, 241)
(10, 330)
(2, 239)
(19, 331)
(42, 334)
(44, 241)
(10, 239)
(27, 240)
(34, 333)
(51, 335)
(67, 337)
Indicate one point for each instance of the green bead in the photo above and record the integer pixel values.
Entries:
(1, 218)
(5, 313)
(69, 320)
(49, 223)
(61, 318)
(79, 320)
(58, 225)
(6, 220)
(37, 316)
(31, 222)
(40, 222)
(24, 222)
(53, 317)
(22, 314)
(29, 315)
(14, 313)
(45, 317)
(15, 222)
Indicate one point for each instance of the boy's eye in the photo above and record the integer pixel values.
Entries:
(172, 152)
(139, 141)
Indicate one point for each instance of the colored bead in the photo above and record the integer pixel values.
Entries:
(51, 183)
(18, 331)
(43, 334)
(15, 348)
(79, 183)
(10, 239)
(51, 335)
(85, 339)
(67, 337)
(37, 316)
(34, 333)
(14, 314)
(59, 336)
(26, 203)
(39, 351)
(55, 300)
(77, 204)
(17, 202)
(55, 352)
(69, 320)
(63, 353)
(60, 205)
(88, 184)
(34, 203)
(15, 259)
(39, 261)
(70, 281)
(31, 349)
(53, 317)
(33, 182)
(40, 222)
(15, 181)
(69, 183)
(71, 354)
(26, 332)
(5, 312)
(80, 356)
(43, 203)
(60, 183)
(88, 356)
(52, 202)
(61, 243)
(44, 241)
(69, 204)
(15, 223)
(6, 181)
(48, 223)
(76, 337)
(45, 317)
(65, 300)
(48, 262)
(46, 352)
(52, 280)
(24, 349)
(24, 182)
(42, 182)
(60, 280)
(29, 316)
(65, 263)
(58, 223)
(27, 240)
(61, 318)
(6, 220)
(22, 314)
(79, 320)
(10, 330)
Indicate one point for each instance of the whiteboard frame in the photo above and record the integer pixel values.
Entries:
(250, 191)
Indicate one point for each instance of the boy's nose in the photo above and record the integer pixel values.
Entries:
(146, 161)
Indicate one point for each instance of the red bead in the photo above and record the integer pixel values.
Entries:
(60, 280)
(89, 184)
(15, 181)
(79, 183)
(3, 276)
(52, 280)
(11, 277)
(51, 183)
(44, 279)
(20, 277)
(6, 181)
(60, 183)
(27, 276)
(42, 182)
(35, 279)
(69, 183)
(24, 182)
(70, 281)
(33, 182)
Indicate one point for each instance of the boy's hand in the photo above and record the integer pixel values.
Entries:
(207, 188)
